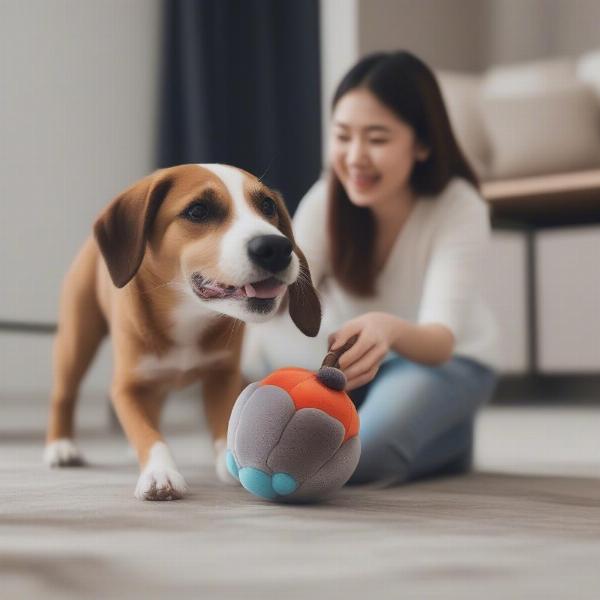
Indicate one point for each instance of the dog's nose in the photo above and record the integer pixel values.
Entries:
(271, 252)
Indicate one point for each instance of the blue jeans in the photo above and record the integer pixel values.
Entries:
(417, 420)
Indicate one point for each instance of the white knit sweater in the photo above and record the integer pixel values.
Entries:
(432, 275)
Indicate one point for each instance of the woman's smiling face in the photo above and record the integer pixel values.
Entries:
(372, 151)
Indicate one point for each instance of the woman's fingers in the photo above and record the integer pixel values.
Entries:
(371, 359)
(361, 361)
(342, 335)
(361, 379)
(361, 347)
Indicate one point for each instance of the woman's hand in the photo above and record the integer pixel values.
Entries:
(376, 331)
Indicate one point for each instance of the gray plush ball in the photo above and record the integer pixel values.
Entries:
(297, 444)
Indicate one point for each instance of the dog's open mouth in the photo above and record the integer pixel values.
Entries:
(208, 289)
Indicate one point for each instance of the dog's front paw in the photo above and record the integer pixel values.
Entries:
(160, 479)
(63, 453)
(223, 472)
(160, 484)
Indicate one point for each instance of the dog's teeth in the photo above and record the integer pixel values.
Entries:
(250, 291)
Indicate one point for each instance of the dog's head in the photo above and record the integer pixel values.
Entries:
(219, 232)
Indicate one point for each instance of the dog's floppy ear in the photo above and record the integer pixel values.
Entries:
(305, 307)
(122, 229)
(304, 304)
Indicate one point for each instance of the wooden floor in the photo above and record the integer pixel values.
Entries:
(525, 524)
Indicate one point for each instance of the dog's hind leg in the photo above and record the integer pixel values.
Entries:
(220, 390)
(81, 327)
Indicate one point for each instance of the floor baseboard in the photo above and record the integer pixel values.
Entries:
(27, 327)
(546, 388)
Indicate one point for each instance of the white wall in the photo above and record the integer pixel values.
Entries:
(534, 29)
(446, 34)
(579, 28)
(78, 112)
(517, 30)
(339, 50)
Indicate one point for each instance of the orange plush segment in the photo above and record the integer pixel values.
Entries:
(287, 378)
(312, 394)
(307, 392)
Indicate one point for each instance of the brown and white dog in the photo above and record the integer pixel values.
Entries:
(190, 253)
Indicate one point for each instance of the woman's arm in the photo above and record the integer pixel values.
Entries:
(429, 344)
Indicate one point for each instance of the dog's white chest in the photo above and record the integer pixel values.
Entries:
(190, 323)
(178, 360)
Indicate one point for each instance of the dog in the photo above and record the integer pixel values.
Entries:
(178, 262)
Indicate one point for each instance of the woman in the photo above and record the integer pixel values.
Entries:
(393, 240)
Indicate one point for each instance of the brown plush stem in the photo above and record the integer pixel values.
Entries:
(332, 357)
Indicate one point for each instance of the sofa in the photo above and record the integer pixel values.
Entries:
(529, 119)
(531, 131)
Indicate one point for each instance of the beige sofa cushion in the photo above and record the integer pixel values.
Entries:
(553, 130)
(529, 77)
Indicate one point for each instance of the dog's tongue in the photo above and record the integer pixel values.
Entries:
(269, 288)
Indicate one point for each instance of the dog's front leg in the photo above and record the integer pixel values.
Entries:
(219, 393)
(138, 408)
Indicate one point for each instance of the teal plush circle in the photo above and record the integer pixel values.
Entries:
(284, 484)
(257, 482)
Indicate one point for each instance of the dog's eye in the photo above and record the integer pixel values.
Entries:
(198, 212)
(268, 207)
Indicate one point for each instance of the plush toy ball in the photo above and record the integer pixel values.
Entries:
(293, 437)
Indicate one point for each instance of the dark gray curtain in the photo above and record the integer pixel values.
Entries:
(241, 85)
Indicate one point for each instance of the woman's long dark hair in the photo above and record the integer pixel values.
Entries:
(404, 84)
